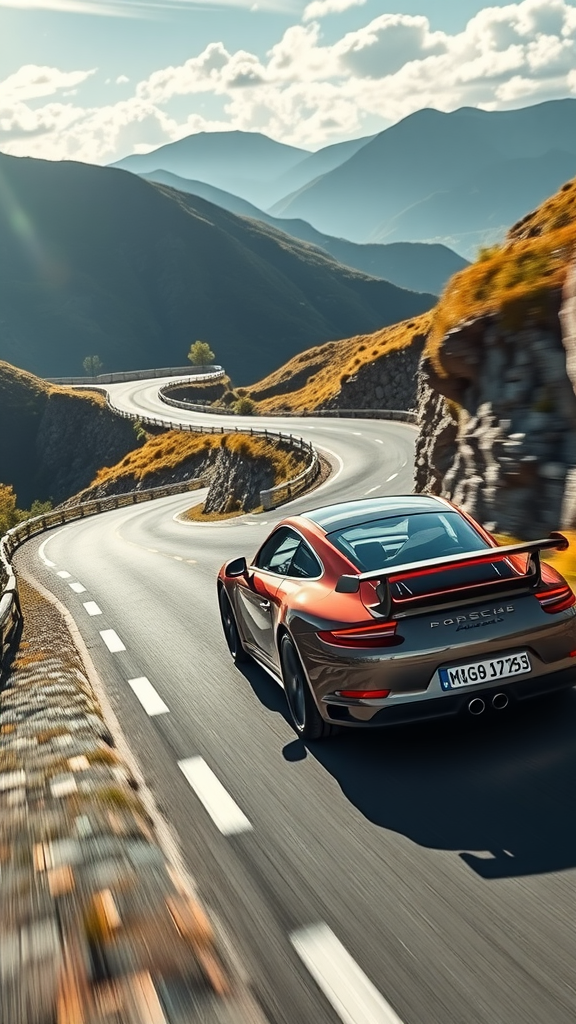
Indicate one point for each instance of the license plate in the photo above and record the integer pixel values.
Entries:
(485, 671)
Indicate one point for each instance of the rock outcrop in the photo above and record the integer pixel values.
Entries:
(236, 480)
(497, 414)
(389, 382)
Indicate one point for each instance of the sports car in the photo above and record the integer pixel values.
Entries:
(397, 609)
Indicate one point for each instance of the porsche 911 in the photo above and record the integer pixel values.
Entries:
(398, 609)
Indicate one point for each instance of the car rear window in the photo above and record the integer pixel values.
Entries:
(398, 540)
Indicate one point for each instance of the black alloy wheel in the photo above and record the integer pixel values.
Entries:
(307, 720)
(235, 645)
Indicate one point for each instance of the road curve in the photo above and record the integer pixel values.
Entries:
(420, 876)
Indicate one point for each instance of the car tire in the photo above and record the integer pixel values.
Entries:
(230, 627)
(307, 720)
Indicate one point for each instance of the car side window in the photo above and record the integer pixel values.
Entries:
(304, 563)
(276, 554)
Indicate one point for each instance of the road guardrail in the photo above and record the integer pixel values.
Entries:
(212, 372)
(269, 497)
(10, 612)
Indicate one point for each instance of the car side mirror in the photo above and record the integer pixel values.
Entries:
(237, 567)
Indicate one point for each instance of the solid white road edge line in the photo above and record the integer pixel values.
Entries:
(334, 476)
(346, 987)
(77, 588)
(63, 574)
(92, 608)
(112, 641)
(224, 812)
(45, 559)
(150, 700)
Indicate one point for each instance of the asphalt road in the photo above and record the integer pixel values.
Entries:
(422, 875)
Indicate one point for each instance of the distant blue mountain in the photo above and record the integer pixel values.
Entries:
(372, 195)
(413, 265)
(247, 164)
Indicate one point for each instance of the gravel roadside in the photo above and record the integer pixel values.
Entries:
(98, 922)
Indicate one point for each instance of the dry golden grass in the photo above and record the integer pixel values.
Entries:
(14, 380)
(514, 279)
(196, 514)
(168, 451)
(312, 378)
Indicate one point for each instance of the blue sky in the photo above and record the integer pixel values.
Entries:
(97, 79)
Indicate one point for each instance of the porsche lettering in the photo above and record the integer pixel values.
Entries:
(488, 613)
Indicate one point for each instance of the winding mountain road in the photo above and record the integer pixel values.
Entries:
(418, 876)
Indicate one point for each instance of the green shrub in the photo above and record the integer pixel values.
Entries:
(245, 406)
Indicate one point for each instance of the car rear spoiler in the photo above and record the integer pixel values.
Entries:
(350, 584)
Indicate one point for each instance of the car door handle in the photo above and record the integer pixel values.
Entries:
(265, 605)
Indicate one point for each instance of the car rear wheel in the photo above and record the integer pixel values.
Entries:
(307, 720)
(235, 645)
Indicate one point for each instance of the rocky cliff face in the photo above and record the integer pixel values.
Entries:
(74, 440)
(389, 382)
(497, 415)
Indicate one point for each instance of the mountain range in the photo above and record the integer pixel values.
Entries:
(247, 164)
(414, 265)
(459, 178)
(515, 158)
(94, 260)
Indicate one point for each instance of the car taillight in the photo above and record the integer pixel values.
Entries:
(375, 634)
(557, 599)
(363, 694)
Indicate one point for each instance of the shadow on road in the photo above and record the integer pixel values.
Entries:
(501, 789)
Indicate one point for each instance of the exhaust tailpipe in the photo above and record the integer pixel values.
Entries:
(500, 701)
(476, 706)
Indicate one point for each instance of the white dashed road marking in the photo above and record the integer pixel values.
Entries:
(64, 575)
(378, 440)
(225, 814)
(92, 608)
(346, 987)
(112, 641)
(372, 489)
(149, 699)
(393, 477)
(77, 588)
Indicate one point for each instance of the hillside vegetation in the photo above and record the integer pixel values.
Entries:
(236, 466)
(53, 438)
(175, 450)
(97, 260)
(517, 277)
(311, 379)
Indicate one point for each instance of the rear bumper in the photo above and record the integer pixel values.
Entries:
(453, 704)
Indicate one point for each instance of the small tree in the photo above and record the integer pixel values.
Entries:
(9, 514)
(92, 365)
(200, 354)
(245, 406)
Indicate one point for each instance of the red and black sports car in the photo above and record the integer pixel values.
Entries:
(397, 609)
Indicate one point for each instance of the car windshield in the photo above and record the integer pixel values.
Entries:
(398, 540)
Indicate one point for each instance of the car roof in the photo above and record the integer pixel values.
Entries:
(350, 513)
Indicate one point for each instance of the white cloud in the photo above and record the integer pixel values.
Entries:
(305, 90)
(32, 81)
(320, 8)
(122, 79)
(94, 7)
